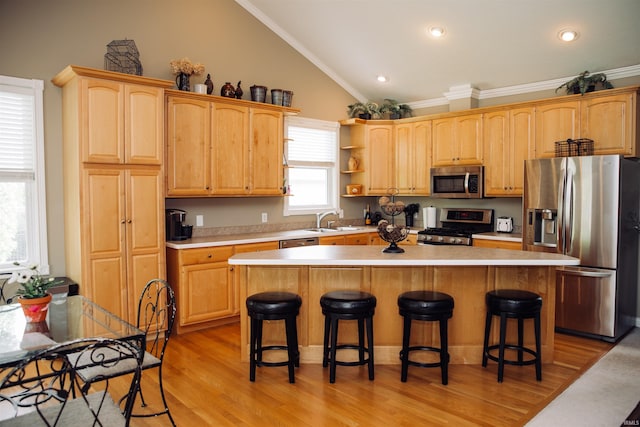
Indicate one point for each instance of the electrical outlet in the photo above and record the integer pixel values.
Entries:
(341, 213)
(199, 221)
(264, 217)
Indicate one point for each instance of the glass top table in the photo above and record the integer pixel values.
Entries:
(69, 318)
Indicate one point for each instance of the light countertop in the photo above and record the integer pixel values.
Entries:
(509, 237)
(419, 255)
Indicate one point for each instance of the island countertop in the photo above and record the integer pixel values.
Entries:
(419, 255)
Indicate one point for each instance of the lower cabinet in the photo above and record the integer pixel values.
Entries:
(499, 244)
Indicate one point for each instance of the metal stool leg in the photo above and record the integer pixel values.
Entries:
(334, 345)
(369, 323)
(503, 336)
(444, 351)
(325, 349)
(404, 353)
(487, 332)
(290, 327)
(536, 325)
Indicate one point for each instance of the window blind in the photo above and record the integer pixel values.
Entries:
(17, 139)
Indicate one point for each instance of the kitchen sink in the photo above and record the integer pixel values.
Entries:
(321, 230)
(348, 228)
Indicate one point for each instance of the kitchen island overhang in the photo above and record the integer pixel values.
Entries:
(465, 273)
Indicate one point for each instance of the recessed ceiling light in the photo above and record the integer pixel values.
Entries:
(568, 35)
(436, 31)
(382, 79)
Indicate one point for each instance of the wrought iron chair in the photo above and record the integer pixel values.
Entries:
(44, 389)
(156, 316)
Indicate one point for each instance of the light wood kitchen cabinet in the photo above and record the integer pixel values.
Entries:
(555, 121)
(331, 240)
(508, 142)
(497, 244)
(457, 140)
(413, 158)
(356, 239)
(610, 121)
(188, 146)
(377, 161)
(222, 147)
(121, 123)
(204, 284)
(113, 184)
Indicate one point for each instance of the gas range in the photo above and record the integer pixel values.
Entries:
(458, 225)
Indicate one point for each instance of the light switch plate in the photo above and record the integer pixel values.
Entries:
(199, 221)
(264, 217)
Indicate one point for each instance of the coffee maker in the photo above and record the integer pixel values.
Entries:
(176, 229)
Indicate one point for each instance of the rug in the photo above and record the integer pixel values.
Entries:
(605, 395)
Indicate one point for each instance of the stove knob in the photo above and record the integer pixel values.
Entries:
(458, 241)
(440, 239)
(428, 238)
(452, 240)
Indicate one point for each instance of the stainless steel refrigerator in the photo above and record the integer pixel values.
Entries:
(587, 207)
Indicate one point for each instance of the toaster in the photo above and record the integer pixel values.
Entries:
(505, 224)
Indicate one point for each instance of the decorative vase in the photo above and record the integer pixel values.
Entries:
(182, 82)
(286, 98)
(239, 91)
(258, 93)
(353, 163)
(35, 309)
(365, 116)
(209, 84)
(227, 90)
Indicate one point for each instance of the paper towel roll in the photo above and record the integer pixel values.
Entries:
(429, 217)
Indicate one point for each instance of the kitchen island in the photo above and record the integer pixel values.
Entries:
(466, 273)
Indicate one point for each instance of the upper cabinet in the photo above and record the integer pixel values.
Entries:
(413, 158)
(223, 147)
(610, 121)
(457, 140)
(508, 142)
(373, 143)
(609, 118)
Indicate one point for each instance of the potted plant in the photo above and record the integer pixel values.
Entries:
(32, 292)
(395, 110)
(586, 82)
(364, 110)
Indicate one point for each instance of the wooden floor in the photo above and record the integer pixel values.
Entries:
(206, 384)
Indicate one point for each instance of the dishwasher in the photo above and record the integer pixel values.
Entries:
(295, 243)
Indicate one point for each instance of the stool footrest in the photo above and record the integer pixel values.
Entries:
(350, 347)
(273, 347)
(512, 347)
(424, 364)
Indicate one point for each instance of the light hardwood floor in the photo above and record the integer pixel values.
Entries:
(207, 385)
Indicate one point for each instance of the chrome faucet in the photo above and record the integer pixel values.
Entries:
(321, 215)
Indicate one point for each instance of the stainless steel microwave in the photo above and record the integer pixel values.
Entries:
(457, 182)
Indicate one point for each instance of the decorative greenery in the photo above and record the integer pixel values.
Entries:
(185, 66)
(33, 285)
(364, 108)
(586, 82)
(396, 110)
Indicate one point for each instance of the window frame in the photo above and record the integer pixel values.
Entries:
(334, 172)
(37, 250)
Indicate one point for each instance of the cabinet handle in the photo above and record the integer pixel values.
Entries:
(230, 268)
(209, 256)
(128, 221)
(122, 221)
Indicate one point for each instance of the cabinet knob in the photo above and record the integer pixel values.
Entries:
(122, 221)
(128, 221)
(209, 256)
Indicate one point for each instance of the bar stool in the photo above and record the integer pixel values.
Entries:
(273, 306)
(347, 305)
(425, 306)
(513, 304)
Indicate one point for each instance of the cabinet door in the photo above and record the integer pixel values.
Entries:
(356, 239)
(206, 294)
(103, 231)
(497, 147)
(468, 134)
(102, 117)
(556, 122)
(422, 158)
(230, 146)
(608, 121)
(522, 139)
(143, 124)
(403, 158)
(333, 240)
(188, 147)
(380, 159)
(444, 151)
(144, 232)
(265, 152)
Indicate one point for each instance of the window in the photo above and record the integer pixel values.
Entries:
(312, 176)
(23, 234)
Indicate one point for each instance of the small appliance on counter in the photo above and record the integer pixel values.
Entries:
(176, 228)
(504, 224)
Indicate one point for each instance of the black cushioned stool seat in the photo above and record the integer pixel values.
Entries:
(273, 306)
(347, 305)
(513, 304)
(425, 306)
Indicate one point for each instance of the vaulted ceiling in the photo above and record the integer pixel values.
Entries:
(494, 46)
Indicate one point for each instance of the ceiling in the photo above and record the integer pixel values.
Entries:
(497, 47)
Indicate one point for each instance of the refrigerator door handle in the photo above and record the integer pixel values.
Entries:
(560, 241)
(568, 215)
